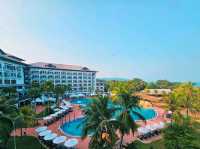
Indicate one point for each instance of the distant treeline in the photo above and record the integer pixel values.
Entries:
(140, 84)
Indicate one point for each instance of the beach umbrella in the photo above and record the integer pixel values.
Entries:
(38, 100)
(71, 143)
(59, 140)
(47, 118)
(40, 129)
(44, 133)
(54, 115)
(50, 136)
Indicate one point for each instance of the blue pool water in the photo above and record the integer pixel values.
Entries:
(74, 128)
(81, 101)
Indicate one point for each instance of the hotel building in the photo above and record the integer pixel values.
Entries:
(11, 71)
(100, 86)
(80, 79)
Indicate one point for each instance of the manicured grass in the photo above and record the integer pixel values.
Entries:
(154, 145)
(25, 142)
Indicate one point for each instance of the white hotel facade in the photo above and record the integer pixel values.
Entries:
(15, 73)
(11, 71)
(80, 79)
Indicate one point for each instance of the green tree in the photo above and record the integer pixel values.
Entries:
(188, 96)
(59, 90)
(163, 84)
(9, 92)
(28, 116)
(126, 122)
(139, 84)
(180, 135)
(34, 92)
(47, 87)
(69, 88)
(124, 96)
(173, 104)
(8, 115)
(98, 121)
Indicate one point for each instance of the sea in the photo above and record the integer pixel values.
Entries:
(197, 84)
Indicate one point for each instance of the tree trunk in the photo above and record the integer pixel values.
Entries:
(121, 141)
(21, 131)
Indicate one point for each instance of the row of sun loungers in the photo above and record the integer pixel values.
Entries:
(59, 113)
(53, 141)
(150, 131)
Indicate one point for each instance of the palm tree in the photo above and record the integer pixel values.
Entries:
(98, 121)
(8, 115)
(128, 103)
(47, 87)
(187, 96)
(125, 97)
(173, 104)
(27, 116)
(59, 90)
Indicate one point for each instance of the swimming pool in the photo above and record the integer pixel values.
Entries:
(74, 127)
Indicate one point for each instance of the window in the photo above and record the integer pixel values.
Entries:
(7, 81)
(13, 81)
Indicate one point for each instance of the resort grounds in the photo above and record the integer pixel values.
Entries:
(77, 113)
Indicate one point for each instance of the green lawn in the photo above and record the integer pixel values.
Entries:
(139, 145)
(25, 142)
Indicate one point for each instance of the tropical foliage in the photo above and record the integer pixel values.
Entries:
(162, 84)
(185, 96)
(59, 90)
(180, 135)
(98, 121)
(125, 97)
(11, 117)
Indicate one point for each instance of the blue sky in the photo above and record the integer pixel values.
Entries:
(133, 38)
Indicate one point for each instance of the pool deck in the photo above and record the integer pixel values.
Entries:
(83, 144)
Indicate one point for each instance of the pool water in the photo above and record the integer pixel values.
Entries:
(74, 127)
(81, 101)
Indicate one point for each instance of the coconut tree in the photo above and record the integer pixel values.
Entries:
(126, 121)
(98, 121)
(47, 87)
(187, 96)
(27, 117)
(128, 101)
(8, 115)
(59, 90)
(173, 104)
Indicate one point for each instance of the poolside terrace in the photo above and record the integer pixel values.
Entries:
(77, 112)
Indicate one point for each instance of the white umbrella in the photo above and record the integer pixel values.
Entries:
(169, 112)
(54, 115)
(56, 109)
(50, 136)
(162, 125)
(59, 140)
(59, 112)
(44, 133)
(156, 126)
(40, 129)
(38, 100)
(71, 143)
(67, 103)
(47, 118)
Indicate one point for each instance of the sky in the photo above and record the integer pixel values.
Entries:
(134, 38)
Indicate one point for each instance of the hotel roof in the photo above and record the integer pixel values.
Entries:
(60, 66)
(10, 57)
